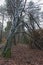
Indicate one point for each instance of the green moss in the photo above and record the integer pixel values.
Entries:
(7, 54)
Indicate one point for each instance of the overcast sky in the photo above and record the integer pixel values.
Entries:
(39, 1)
(2, 2)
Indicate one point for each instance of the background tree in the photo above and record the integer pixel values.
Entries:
(8, 27)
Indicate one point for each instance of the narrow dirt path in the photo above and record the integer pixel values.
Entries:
(23, 55)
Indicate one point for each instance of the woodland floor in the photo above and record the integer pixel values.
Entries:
(23, 55)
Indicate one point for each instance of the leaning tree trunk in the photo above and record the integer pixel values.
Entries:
(7, 49)
(17, 8)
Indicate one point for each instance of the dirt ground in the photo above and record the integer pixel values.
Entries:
(23, 55)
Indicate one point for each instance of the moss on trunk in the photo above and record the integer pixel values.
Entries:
(7, 54)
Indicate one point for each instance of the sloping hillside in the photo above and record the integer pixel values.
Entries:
(23, 55)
